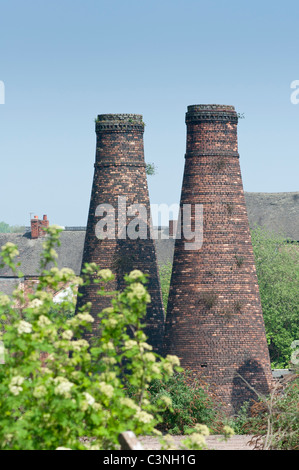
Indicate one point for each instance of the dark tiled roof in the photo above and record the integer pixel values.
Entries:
(9, 284)
(69, 253)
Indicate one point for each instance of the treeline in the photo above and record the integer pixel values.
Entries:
(6, 228)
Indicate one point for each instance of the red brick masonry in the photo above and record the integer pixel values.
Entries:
(38, 226)
(120, 171)
(214, 320)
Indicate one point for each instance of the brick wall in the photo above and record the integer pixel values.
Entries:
(120, 171)
(214, 320)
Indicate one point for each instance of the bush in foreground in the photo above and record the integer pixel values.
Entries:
(55, 387)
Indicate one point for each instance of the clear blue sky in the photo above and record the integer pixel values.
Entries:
(63, 62)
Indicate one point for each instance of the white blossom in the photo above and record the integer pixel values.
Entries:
(67, 334)
(155, 368)
(39, 391)
(67, 271)
(24, 327)
(35, 303)
(4, 300)
(63, 386)
(168, 368)
(149, 357)
(167, 400)
(111, 322)
(12, 248)
(85, 317)
(174, 360)
(43, 321)
(89, 398)
(143, 416)
(228, 431)
(130, 343)
(97, 406)
(15, 385)
(202, 429)
(198, 440)
(138, 291)
(80, 344)
(109, 360)
(144, 345)
(106, 389)
(135, 274)
(108, 346)
(129, 403)
(106, 274)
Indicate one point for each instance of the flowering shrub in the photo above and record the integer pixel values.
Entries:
(57, 390)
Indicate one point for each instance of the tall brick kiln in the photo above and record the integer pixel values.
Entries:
(214, 318)
(120, 173)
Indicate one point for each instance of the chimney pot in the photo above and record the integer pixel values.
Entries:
(37, 226)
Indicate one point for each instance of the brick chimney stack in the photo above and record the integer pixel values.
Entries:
(214, 318)
(119, 182)
(37, 226)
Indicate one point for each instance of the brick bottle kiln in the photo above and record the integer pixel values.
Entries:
(214, 318)
(119, 182)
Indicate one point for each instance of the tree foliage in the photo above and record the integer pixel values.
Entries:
(277, 265)
(150, 169)
(165, 276)
(6, 228)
